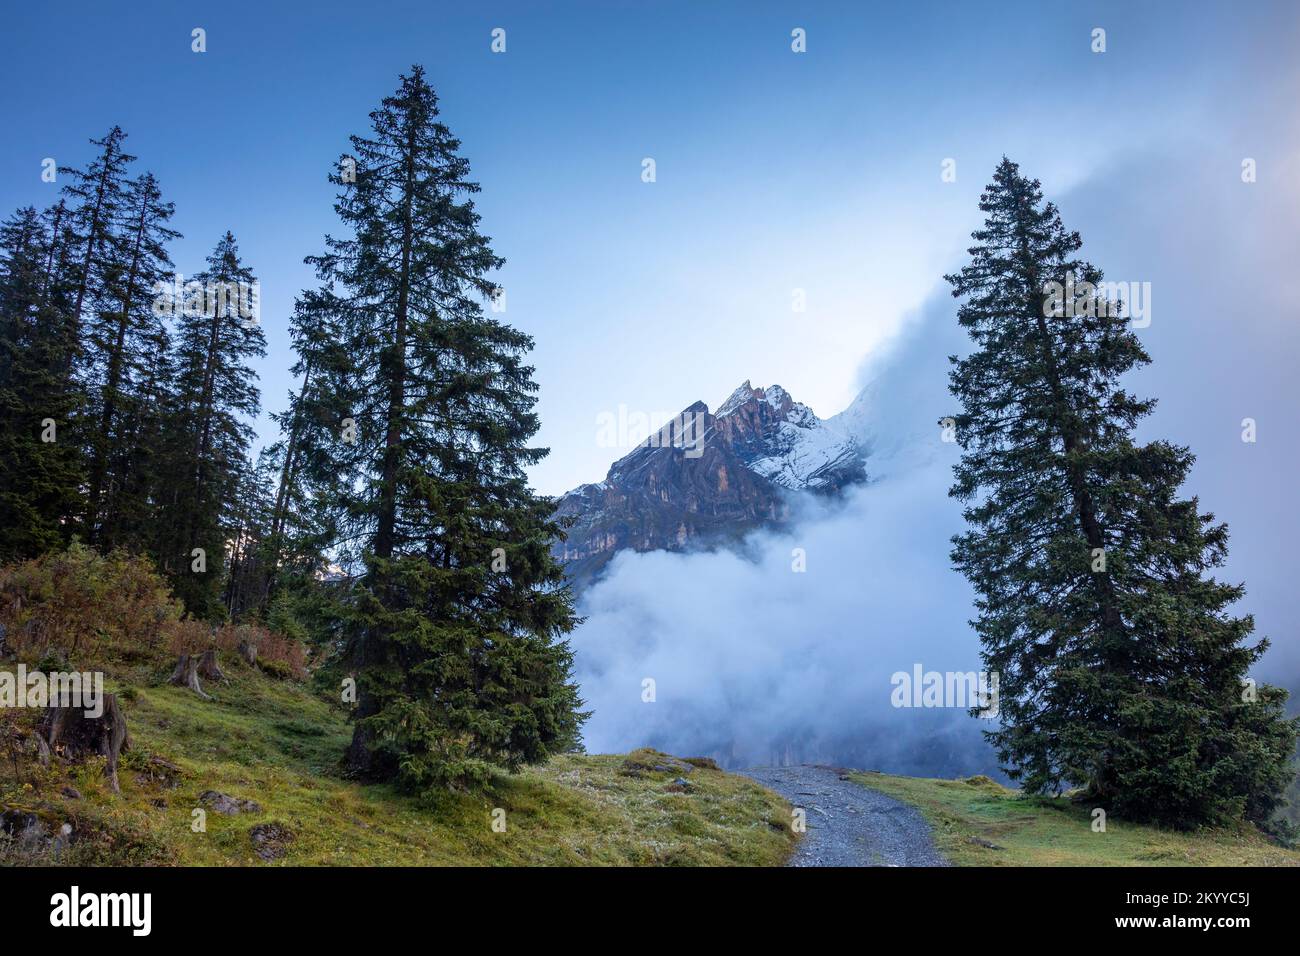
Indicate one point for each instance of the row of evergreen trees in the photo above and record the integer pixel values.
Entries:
(401, 460)
(125, 412)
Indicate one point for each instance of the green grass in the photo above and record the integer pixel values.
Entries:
(272, 742)
(969, 815)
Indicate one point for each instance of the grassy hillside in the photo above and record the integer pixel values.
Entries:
(978, 822)
(272, 742)
(270, 748)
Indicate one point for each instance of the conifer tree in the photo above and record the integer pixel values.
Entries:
(1121, 667)
(40, 467)
(125, 336)
(217, 332)
(297, 539)
(138, 520)
(94, 201)
(456, 627)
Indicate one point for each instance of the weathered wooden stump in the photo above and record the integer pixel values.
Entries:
(208, 666)
(186, 674)
(68, 733)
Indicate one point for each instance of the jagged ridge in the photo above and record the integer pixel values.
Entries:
(722, 475)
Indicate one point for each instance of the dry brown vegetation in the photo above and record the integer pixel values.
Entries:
(84, 610)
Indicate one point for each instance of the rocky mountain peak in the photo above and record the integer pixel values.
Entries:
(784, 440)
(775, 396)
(706, 478)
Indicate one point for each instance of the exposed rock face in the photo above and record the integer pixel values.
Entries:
(707, 479)
(783, 440)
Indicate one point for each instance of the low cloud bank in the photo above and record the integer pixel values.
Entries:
(754, 662)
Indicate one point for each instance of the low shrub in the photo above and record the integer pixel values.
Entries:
(78, 609)
(277, 655)
(83, 609)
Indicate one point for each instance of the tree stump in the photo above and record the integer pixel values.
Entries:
(208, 666)
(248, 652)
(69, 733)
(186, 674)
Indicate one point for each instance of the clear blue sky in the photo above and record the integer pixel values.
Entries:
(776, 171)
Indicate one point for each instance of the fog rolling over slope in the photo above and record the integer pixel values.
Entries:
(756, 663)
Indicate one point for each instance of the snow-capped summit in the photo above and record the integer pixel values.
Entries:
(784, 440)
(735, 474)
(737, 398)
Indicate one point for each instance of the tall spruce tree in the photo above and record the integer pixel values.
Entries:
(94, 201)
(125, 334)
(217, 332)
(137, 519)
(456, 627)
(292, 550)
(57, 277)
(40, 467)
(1121, 668)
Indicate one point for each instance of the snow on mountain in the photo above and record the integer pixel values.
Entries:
(797, 450)
(735, 474)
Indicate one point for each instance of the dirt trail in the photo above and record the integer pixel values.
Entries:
(849, 824)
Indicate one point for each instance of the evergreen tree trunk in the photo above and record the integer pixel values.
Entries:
(360, 756)
(287, 473)
(113, 380)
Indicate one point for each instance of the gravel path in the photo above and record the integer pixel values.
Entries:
(849, 824)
